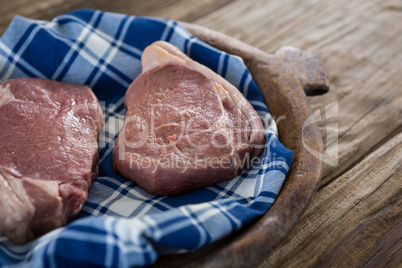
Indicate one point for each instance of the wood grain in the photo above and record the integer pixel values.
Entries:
(354, 215)
(360, 44)
(184, 10)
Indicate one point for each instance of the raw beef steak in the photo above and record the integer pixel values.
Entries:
(186, 127)
(49, 154)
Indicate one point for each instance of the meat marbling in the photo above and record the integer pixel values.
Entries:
(186, 127)
(49, 154)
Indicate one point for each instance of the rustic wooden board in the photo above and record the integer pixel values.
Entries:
(360, 43)
(355, 215)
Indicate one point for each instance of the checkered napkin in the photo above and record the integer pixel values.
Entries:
(121, 225)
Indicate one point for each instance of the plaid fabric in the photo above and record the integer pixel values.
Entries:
(133, 227)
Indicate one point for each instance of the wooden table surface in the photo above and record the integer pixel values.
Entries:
(355, 218)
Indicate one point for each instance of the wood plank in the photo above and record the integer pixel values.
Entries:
(184, 10)
(388, 252)
(373, 82)
(363, 203)
(375, 242)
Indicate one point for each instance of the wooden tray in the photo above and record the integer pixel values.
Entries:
(285, 78)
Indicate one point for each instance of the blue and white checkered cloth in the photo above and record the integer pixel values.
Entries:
(121, 225)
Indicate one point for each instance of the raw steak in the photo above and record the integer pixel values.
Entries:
(49, 154)
(186, 127)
